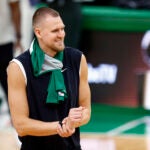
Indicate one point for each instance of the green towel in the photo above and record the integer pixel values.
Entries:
(43, 63)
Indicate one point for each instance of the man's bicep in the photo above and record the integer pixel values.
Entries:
(84, 89)
(16, 93)
(84, 92)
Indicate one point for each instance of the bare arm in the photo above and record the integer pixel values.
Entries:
(84, 93)
(16, 19)
(19, 107)
(81, 115)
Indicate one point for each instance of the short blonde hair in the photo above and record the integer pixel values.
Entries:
(41, 13)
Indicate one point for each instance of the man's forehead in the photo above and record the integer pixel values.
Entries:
(54, 21)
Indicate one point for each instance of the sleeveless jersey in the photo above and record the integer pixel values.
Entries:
(38, 108)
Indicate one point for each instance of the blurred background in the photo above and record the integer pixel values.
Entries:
(114, 35)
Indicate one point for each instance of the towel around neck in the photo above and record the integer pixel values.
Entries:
(43, 63)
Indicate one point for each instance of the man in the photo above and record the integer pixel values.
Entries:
(48, 91)
(10, 35)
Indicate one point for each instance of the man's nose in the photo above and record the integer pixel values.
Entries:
(61, 33)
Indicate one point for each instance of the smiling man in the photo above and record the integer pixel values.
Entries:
(48, 90)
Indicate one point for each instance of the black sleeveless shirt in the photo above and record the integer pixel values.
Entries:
(38, 108)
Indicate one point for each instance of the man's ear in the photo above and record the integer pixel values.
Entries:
(37, 32)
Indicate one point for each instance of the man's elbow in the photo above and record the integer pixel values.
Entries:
(87, 116)
(19, 127)
(20, 132)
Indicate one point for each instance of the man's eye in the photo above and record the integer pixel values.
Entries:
(55, 31)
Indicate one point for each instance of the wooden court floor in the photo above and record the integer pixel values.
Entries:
(89, 141)
(124, 142)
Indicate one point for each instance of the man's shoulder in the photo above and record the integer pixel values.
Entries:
(71, 50)
(24, 54)
(72, 55)
(24, 57)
